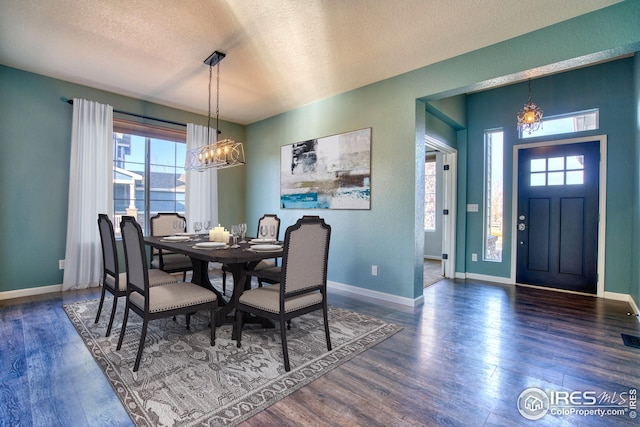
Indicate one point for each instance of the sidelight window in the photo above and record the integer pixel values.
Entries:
(493, 195)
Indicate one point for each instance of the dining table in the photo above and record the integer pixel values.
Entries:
(237, 259)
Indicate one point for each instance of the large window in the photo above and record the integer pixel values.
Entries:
(148, 171)
(430, 193)
(493, 190)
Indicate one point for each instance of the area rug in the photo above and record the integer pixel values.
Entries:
(182, 381)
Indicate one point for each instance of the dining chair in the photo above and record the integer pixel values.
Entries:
(112, 280)
(267, 220)
(162, 224)
(155, 302)
(302, 285)
(268, 271)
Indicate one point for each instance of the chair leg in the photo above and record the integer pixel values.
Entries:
(143, 336)
(326, 327)
(124, 325)
(184, 276)
(113, 314)
(212, 323)
(285, 350)
(188, 317)
(289, 324)
(100, 305)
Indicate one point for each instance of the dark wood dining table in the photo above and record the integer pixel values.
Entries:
(238, 260)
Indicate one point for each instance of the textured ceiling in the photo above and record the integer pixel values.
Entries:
(281, 54)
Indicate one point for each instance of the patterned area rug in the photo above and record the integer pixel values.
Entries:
(182, 381)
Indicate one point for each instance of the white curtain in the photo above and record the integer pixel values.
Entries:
(201, 193)
(90, 191)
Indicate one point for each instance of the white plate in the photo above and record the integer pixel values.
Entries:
(266, 248)
(175, 238)
(210, 244)
(257, 241)
(184, 234)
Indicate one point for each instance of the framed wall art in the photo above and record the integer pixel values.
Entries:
(333, 172)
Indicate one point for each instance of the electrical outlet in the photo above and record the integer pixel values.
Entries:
(374, 270)
(61, 264)
(474, 257)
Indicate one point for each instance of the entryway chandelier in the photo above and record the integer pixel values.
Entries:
(530, 117)
(221, 154)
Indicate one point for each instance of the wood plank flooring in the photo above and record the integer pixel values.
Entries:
(462, 359)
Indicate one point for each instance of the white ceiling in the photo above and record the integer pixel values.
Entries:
(281, 54)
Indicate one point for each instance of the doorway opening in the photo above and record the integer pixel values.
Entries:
(445, 159)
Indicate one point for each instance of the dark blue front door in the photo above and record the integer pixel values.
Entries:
(557, 220)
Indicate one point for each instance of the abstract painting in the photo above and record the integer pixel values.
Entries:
(333, 172)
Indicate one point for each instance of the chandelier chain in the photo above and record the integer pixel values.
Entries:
(217, 96)
(209, 110)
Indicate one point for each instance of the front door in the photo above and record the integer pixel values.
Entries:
(557, 220)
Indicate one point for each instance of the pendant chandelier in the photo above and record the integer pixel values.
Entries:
(221, 154)
(530, 117)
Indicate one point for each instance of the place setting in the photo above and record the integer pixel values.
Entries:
(210, 245)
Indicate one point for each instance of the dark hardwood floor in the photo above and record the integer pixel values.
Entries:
(463, 358)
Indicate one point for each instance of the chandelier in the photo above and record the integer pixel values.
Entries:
(221, 154)
(530, 117)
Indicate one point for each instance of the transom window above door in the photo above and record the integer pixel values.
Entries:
(568, 170)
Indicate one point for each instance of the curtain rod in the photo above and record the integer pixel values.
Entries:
(70, 101)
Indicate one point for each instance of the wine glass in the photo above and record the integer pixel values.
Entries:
(235, 233)
(243, 232)
(264, 230)
(176, 226)
(197, 227)
(272, 232)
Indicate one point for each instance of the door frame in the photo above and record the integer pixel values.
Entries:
(602, 203)
(449, 200)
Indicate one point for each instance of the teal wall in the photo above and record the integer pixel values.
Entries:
(35, 133)
(35, 141)
(635, 229)
(388, 234)
(605, 86)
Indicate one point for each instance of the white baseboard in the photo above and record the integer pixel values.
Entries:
(485, 278)
(19, 293)
(354, 290)
(626, 298)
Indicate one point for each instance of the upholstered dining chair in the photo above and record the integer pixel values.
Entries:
(302, 286)
(157, 302)
(112, 280)
(268, 271)
(161, 224)
(267, 220)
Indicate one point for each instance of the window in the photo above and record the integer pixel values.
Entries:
(148, 171)
(557, 171)
(430, 193)
(578, 121)
(493, 140)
